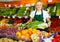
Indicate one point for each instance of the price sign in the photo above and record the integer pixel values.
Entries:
(49, 0)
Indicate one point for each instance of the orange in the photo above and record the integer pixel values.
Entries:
(30, 32)
(24, 32)
(34, 31)
(27, 36)
(49, 33)
(22, 37)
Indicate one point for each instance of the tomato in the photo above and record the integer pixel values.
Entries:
(54, 40)
(57, 36)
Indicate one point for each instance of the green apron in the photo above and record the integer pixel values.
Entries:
(39, 17)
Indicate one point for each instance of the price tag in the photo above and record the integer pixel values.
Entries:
(59, 17)
(49, 0)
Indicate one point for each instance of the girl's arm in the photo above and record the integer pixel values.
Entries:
(29, 20)
(49, 22)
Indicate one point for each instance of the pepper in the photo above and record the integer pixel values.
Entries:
(17, 21)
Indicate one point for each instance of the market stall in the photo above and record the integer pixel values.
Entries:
(14, 16)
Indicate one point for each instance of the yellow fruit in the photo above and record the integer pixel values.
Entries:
(24, 32)
(18, 34)
(30, 29)
(38, 31)
(27, 36)
(34, 31)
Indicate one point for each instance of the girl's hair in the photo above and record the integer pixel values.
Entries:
(38, 1)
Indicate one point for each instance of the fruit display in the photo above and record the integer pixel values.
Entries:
(55, 25)
(8, 32)
(18, 21)
(56, 38)
(32, 35)
(3, 23)
(9, 40)
(15, 29)
(54, 29)
(25, 34)
(19, 32)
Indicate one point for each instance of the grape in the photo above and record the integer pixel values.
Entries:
(9, 32)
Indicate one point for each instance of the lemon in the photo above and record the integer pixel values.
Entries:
(18, 34)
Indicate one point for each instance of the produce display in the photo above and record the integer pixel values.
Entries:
(37, 24)
(20, 33)
(52, 10)
(26, 35)
(15, 30)
(9, 40)
(58, 9)
(55, 25)
(32, 35)
(21, 11)
(56, 38)
(8, 32)
(7, 11)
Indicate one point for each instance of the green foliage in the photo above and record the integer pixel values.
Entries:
(7, 11)
(28, 12)
(58, 9)
(33, 24)
(51, 11)
(21, 11)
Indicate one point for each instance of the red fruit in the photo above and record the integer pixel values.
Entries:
(17, 21)
(55, 23)
(54, 40)
(57, 36)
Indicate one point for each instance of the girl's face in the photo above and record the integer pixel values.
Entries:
(39, 5)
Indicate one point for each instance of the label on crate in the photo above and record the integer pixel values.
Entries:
(49, 0)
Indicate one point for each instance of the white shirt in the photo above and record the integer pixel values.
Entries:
(45, 14)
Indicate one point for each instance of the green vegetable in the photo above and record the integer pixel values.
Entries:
(34, 24)
(28, 12)
(21, 11)
(7, 11)
(58, 9)
(21, 25)
(43, 25)
(51, 11)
